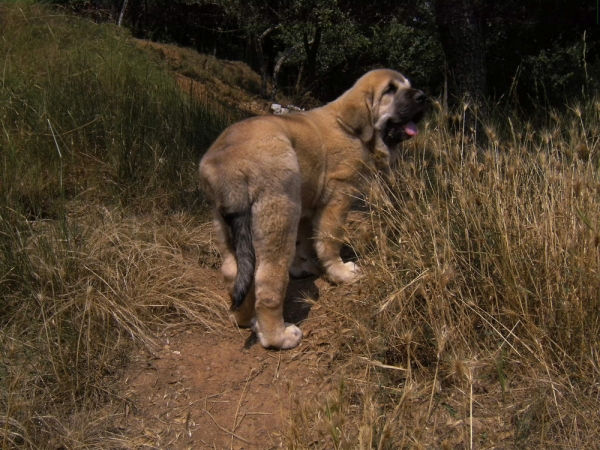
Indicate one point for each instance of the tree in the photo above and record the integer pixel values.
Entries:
(308, 35)
(464, 50)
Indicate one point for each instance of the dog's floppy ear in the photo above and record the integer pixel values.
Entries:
(355, 113)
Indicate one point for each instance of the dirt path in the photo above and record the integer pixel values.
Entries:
(222, 389)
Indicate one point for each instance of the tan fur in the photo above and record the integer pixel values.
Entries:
(298, 174)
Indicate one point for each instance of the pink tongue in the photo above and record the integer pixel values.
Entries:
(411, 129)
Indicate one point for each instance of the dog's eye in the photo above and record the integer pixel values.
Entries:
(390, 89)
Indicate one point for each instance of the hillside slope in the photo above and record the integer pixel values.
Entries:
(206, 77)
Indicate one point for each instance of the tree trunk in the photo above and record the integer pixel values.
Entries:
(300, 79)
(289, 52)
(123, 8)
(262, 61)
(462, 41)
(312, 48)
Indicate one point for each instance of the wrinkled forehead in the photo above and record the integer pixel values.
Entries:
(401, 81)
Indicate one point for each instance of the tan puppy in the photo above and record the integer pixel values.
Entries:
(284, 183)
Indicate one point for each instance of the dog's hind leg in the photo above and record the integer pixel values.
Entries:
(274, 226)
(244, 314)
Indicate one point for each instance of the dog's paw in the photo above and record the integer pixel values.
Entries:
(290, 338)
(344, 272)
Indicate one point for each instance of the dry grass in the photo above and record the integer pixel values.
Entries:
(230, 82)
(477, 323)
(207, 69)
(84, 296)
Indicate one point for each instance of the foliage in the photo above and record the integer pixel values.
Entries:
(411, 50)
(557, 85)
(527, 43)
(539, 44)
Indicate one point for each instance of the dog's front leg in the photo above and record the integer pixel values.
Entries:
(304, 261)
(329, 226)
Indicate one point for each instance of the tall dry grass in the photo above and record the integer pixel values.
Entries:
(73, 305)
(477, 324)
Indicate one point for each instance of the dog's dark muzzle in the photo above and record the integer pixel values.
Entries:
(410, 110)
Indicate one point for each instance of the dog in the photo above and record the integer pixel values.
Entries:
(281, 188)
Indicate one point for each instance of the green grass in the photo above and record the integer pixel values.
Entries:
(89, 128)
(77, 95)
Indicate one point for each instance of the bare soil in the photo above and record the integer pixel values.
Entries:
(221, 389)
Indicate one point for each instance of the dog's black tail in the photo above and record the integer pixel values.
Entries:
(240, 233)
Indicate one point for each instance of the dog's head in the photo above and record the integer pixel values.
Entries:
(382, 105)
